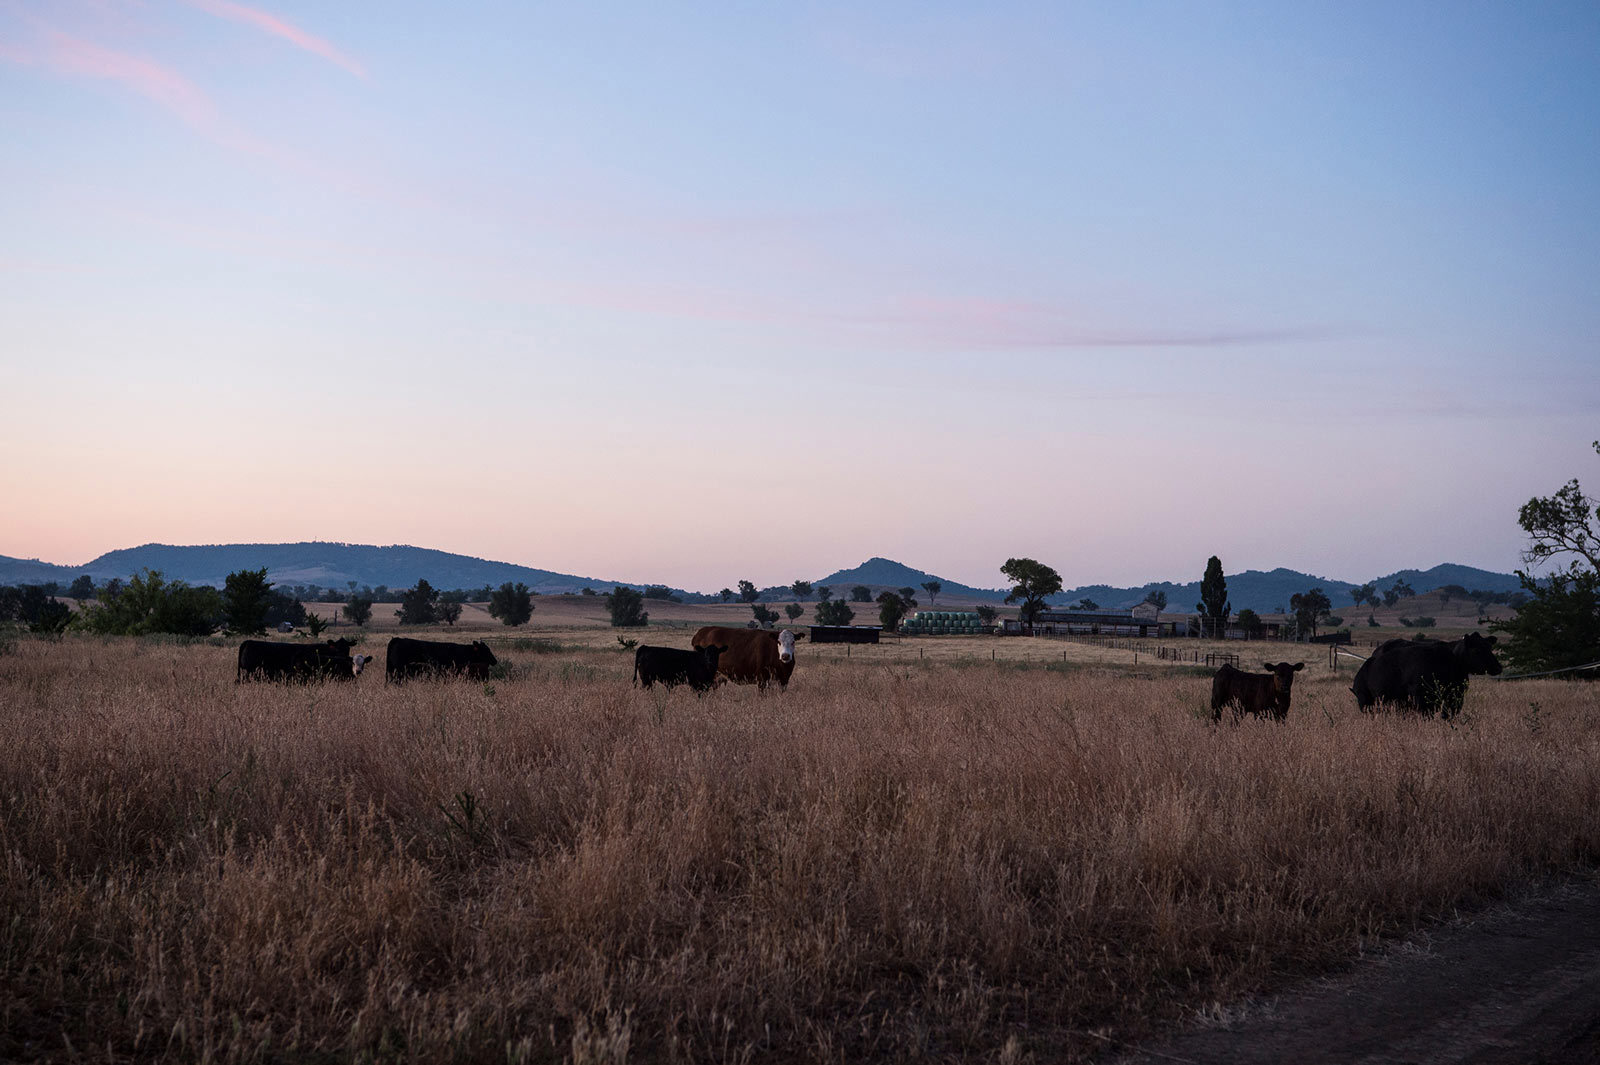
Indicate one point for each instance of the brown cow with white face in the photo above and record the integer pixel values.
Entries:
(753, 656)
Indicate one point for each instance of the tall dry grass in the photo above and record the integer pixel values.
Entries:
(894, 860)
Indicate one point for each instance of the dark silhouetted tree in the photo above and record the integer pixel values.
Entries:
(986, 613)
(1309, 608)
(727, 595)
(1557, 625)
(448, 611)
(1214, 607)
(419, 605)
(1157, 598)
(861, 594)
(246, 595)
(891, 608)
(794, 610)
(1032, 583)
(627, 608)
(933, 588)
(82, 587)
(748, 592)
(1250, 622)
(357, 609)
(765, 616)
(511, 603)
(801, 589)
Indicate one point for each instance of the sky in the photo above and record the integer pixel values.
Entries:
(690, 293)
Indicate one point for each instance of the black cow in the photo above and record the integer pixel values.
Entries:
(329, 660)
(1262, 694)
(425, 658)
(671, 666)
(1424, 675)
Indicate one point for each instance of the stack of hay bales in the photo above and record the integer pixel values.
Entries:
(943, 623)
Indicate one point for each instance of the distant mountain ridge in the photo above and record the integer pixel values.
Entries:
(333, 565)
(325, 564)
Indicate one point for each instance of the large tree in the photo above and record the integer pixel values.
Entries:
(246, 595)
(801, 589)
(861, 594)
(511, 603)
(1031, 584)
(891, 608)
(358, 609)
(748, 592)
(1309, 608)
(1213, 605)
(933, 588)
(419, 605)
(1361, 593)
(627, 608)
(1156, 598)
(1558, 626)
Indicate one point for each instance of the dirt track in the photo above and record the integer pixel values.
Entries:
(1518, 984)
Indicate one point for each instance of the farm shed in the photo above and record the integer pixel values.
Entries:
(1142, 620)
(845, 633)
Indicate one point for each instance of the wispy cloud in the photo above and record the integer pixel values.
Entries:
(70, 55)
(251, 16)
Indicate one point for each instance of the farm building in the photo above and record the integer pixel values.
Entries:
(845, 633)
(1142, 620)
(943, 623)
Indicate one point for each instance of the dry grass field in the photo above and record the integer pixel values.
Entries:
(943, 856)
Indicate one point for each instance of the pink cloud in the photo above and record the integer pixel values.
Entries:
(151, 80)
(279, 28)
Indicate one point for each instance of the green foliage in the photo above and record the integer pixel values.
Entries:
(358, 609)
(1557, 625)
(419, 605)
(861, 594)
(314, 624)
(627, 608)
(891, 608)
(1250, 622)
(149, 604)
(246, 595)
(748, 593)
(986, 613)
(1032, 583)
(824, 593)
(765, 616)
(511, 603)
(82, 587)
(794, 610)
(1213, 606)
(801, 589)
(448, 611)
(627, 643)
(834, 612)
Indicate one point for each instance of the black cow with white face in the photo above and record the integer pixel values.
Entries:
(1428, 676)
(408, 658)
(329, 660)
(672, 666)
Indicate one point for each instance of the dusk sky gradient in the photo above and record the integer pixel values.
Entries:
(695, 293)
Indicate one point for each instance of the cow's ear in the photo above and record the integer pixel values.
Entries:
(1492, 640)
(798, 635)
(1270, 667)
(1298, 666)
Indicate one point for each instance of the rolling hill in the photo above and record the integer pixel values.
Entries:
(333, 565)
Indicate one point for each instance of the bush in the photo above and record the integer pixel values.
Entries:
(1418, 623)
(511, 603)
(149, 604)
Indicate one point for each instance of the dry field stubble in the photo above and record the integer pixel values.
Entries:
(897, 859)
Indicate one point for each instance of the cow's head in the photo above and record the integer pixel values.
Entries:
(341, 646)
(1476, 652)
(358, 663)
(785, 646)
(1283, 677)
(482, 655)
(710, 653)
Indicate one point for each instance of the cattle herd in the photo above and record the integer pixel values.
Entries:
(1426, 676)
(332, 660)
